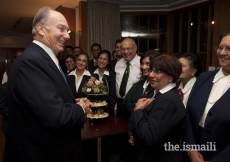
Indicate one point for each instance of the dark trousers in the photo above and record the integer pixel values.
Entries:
(121, 110)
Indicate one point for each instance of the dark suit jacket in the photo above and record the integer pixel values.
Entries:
(72, 84)
(44, 121)
(159, 123)
(91, 67)
(217, 123)
(3, 106)
(113, 64)
(111, 80)
(135, 93)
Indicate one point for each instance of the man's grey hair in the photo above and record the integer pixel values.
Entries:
(42, 18)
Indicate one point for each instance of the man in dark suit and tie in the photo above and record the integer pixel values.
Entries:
(45, 120)
(95, 49)
(117, 53)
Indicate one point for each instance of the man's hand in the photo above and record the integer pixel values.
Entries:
(131, 140)
(195, 156)
(85, 104)
(142, 103)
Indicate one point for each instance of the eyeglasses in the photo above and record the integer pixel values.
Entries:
(221, 48)
(70, 61)
(129, 49)
(157, 72)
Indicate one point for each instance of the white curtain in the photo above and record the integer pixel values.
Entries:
(103, 25)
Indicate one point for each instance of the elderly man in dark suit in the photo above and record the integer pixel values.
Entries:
(45, 120)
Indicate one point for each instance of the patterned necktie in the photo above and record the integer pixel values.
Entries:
(95, 63)
(62, 73)
(181, 93)
(124, 80)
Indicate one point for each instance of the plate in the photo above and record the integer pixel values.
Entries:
(99, 117)
(100, 106)
(96, 94)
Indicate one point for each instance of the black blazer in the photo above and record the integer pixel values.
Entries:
(159, 123)
(44, 121)
(72, 84)
(217, 123)
(91, 67)
(111, 80)
(113, 64)
(4, 107)
(135, 93)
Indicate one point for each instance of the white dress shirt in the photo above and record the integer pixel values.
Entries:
(49, 52)
(134, 74)
(100, 77)
(165, 89)
(187, 89)
(221, 84)
(4, 78)
(79, 80)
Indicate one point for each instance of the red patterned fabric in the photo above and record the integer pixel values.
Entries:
(181, 93)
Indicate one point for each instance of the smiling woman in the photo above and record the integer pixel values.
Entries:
(159, 120)
(208, 110)
(104, 74)
(79, 76)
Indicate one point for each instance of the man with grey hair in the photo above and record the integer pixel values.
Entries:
(45, 119)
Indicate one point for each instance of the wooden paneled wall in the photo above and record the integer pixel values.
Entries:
(70, 16)
(6, 53)
(221, 18)
(83, 26)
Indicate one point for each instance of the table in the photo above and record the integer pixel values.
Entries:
(114, 125)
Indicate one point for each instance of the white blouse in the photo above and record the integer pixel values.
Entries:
(100, 77)
(187, 90)
(79, 80)
(221, 84)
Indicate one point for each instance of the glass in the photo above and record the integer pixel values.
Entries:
(220, 49)
(143, 27)
(176, 33)
(129, 49)
(184, 31)
(157, 72)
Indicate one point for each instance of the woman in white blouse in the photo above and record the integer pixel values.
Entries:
(191, 69)
(79, 76)
(104, 74)
(207, 121)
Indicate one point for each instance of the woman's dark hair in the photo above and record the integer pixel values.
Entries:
(169, 65)
(108, 55)
(151, 54)
(70, 56)
(224, 33)
(86, 55)
(194, 61)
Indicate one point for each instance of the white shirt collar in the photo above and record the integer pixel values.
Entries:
(97, 72)
(86, 72)
(219, 75)
(167, 88)
(132, 62)
(48, 51)
(145, 85)
(188, 86)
